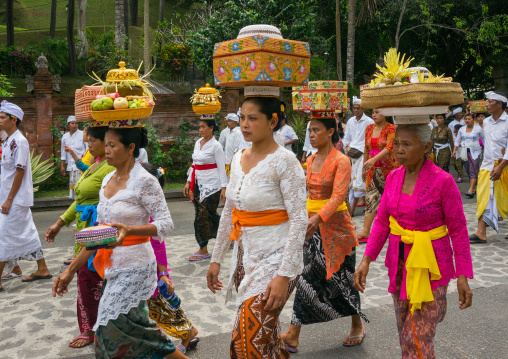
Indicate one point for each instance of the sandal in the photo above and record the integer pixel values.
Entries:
(68, 261)
(354, 337)
(473, 238)
(90, 338)
(292, 350)
(200, 257)
(33, 277)
(11, 276)
(193, 343)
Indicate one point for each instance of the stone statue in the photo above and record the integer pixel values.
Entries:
(42, 63)
(56, 83)
(29, 83)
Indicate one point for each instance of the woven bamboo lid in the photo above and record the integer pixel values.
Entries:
(122, 74)
(206, 89)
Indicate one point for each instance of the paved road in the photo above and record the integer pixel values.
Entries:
(33, 324)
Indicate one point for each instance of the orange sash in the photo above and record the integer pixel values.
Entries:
(253, 219)
(103, 257)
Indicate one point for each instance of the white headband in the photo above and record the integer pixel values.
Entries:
(232, 117)
(357, 101)
(496, 97)
(457, 110)
(11, 109)
(71, 118)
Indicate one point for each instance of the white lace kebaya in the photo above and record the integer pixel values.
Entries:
(209, 181)
(132, 277)
(277, 182)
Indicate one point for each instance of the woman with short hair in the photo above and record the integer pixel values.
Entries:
(422, 215)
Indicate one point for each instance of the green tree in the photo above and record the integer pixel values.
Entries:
(5, 86)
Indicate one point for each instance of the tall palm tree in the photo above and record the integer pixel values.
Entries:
(9, 14)
(83, 41)
(119, 24)
(367, 12)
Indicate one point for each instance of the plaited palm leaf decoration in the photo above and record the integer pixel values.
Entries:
(41, 171)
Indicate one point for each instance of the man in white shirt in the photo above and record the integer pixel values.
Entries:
(73, 139)
(288, 133)
(235, 138)
(458, 118)
(19, 238)
(354, 145)
(493, 176)
(224, 136)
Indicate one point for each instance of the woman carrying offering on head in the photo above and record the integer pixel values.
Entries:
(378, 162)
(84, 212)
(442, 139)
(325, 289)
(421, 213)
(207, 182)
(468, 140)
(265, 215)
(129, 197)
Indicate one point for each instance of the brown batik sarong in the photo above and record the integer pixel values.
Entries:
(417, 331)
(374, 191)
(257, 331)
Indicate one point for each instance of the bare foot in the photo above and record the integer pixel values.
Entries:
(355, 336)
(289, 340)
(363, 235)
(80, 342)
(192, 335)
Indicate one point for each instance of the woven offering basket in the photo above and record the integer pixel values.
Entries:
(206, 109)
(415, 95)
(125, 114)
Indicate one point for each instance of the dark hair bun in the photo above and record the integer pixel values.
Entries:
(144, 137)
(268, 106)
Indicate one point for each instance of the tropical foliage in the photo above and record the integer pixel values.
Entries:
(41, 171)
(5, 86)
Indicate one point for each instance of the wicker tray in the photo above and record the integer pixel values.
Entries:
(125, 114)
(414, 95)
(206, 109)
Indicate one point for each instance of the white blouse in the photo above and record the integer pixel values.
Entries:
(209, 181)
(277, 182)
(132, 277)
(470, 140)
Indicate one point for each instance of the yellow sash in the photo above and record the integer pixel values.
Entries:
(420, 261)
(316, 205)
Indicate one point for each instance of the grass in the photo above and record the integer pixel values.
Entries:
(65, 192)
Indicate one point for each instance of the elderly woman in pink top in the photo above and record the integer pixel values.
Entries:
(422, 216)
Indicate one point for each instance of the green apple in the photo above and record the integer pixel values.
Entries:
(105, 104)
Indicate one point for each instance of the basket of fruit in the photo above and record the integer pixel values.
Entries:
(125, 82)
(397, 85)
(205, 101)
(113, 107)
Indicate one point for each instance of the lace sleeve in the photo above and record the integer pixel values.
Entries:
(292, 186)
(381, 227)
(457, 227)
(152, 198)
(225, 227)
(221, 166)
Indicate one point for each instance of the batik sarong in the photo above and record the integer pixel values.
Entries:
(374, 191)
(132, 335)
(318, 299)
(257, 331)
(73, 179)
(89, 296)
(172, 320)
(417, 330)
(206, 221)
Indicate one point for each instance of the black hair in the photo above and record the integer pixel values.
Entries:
(442, 114)
(331, 123)
(457, 127)
(480, 113)
(268, 106)
(469, 114)
(154, 172)
(97, 132)
(211, 123)
(340, 130)
(86, 129)
(18, 121)
(136, 135)
(389, 119)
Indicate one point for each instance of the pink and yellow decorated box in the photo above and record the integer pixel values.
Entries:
(82, 100)
(321, 96)
(261, 60)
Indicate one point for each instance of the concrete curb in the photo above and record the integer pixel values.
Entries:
(42, 204)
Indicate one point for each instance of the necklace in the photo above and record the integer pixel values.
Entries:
(118, 177)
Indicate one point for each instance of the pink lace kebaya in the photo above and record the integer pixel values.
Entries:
(435, 201)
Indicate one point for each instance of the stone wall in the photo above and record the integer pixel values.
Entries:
(42, 110)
